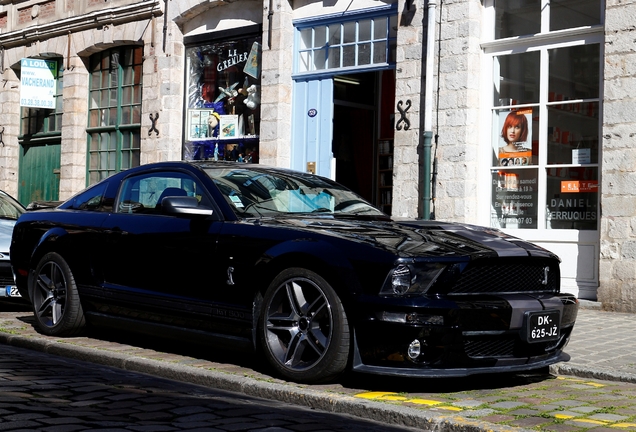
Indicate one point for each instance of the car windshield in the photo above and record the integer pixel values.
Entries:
(259, 192)
(9, 208)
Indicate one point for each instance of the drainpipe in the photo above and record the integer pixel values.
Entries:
(428, 109)
(165, 24)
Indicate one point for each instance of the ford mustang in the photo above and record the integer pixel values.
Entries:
(294, 267)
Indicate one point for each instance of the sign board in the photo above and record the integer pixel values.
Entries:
(38, 83)
(577, 186)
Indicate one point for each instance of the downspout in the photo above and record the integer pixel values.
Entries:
(428, 109)
(270, 20)
(165, 24)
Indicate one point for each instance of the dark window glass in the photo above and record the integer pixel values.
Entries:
(517, 18)
(518, 79)
(566, 14)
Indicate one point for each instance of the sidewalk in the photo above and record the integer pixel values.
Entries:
(593, 391)
(602, 346)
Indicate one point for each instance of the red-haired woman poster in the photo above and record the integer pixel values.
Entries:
(516, 135)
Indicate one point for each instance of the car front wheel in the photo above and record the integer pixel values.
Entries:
(56, 303)
(303, 329)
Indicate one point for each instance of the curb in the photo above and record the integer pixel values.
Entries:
(385, 412)
(605, 374)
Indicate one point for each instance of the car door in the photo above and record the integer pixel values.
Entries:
(162, 266)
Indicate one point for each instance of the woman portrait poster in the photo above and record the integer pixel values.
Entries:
(515, 143)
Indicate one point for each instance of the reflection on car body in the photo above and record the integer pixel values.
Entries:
(293, 266)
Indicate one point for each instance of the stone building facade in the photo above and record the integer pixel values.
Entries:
(316, 112)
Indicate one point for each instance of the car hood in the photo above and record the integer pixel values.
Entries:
(6, 229)
(417, 238)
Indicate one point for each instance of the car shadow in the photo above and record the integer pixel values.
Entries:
(393, 384)
(353, 381)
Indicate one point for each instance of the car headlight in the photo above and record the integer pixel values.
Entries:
(408, 279)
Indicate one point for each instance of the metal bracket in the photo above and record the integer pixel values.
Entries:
(407, 123)
(2, 132)
(154, 124)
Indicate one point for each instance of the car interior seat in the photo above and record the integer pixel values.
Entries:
(170, 192)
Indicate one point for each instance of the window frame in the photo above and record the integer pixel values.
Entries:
(542, 42)
(119, 130)
(342, 20)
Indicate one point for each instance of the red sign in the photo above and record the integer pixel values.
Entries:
(576, 186)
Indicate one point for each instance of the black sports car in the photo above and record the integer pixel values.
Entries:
(294, 266)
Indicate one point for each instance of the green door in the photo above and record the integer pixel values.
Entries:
(39, 172)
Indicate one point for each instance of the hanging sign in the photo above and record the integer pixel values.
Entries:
(38, 83)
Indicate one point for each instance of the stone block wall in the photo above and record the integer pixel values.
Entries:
(409, 97)
(459, 129)
(617, 267)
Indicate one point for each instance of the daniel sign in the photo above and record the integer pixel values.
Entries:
(38, 82)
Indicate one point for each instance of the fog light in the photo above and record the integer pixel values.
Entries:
(415, 349)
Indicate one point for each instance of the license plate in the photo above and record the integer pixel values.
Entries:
(12, 291)
(542, 326)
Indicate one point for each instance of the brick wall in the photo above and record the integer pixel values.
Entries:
(24, 15)
(47, 9)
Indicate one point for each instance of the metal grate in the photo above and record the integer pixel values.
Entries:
(496, 277)
(481, 348)
(6, 280)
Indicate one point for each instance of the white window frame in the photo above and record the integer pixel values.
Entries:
(541, 42)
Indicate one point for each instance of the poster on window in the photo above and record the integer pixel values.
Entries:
(515, 143)
(38, 83)
(514, 198)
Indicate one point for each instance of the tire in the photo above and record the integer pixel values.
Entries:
(56, 303)
(303, 330)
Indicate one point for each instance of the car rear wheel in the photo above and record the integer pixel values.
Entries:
(303, 329)
(56, 303)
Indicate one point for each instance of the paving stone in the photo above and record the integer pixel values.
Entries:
(529, 422)
(608, 417)
(506, 405)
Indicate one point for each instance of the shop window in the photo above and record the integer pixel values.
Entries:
(545, 117)
(349, 43)
(223, 99)
(114, 117)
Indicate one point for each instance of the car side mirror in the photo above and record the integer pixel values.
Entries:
(184, 206)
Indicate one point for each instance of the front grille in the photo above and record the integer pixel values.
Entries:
(480, 348)
(493, 277)
(6, 276)
(510, 346)
(6, 280)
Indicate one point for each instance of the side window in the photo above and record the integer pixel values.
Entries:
(144, 193)
(91, 199)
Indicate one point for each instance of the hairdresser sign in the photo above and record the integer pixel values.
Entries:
(38, 83)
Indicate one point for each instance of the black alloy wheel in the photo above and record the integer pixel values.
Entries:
(303, 329)
(56, 303)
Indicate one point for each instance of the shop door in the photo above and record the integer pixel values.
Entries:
(312, 126)
(39, 172)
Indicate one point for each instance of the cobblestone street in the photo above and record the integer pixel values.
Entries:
(595, 391)
(48, 393)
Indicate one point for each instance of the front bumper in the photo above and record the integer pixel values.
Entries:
(459, 336)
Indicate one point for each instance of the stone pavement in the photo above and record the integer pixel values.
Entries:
(49, 393)
(595, 391)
